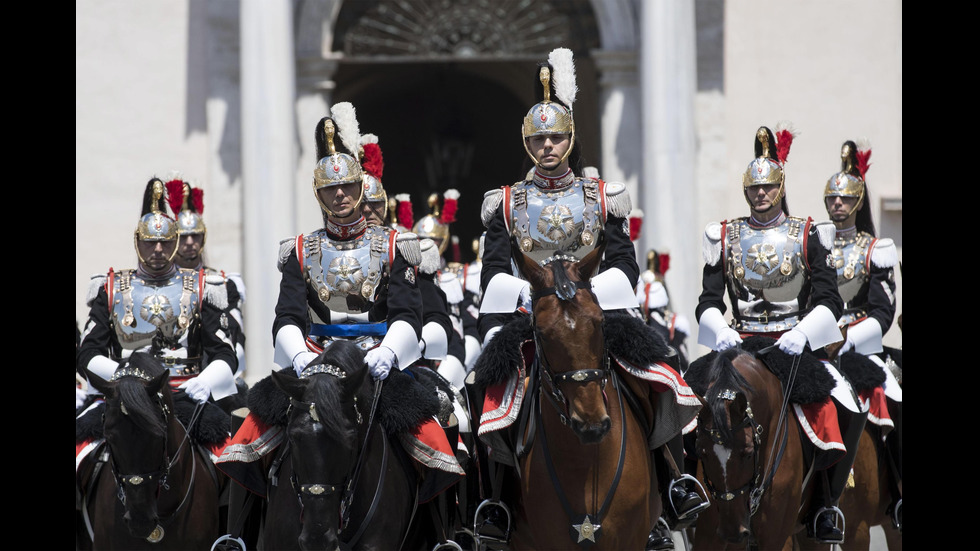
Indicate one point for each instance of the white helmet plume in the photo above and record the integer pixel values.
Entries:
(345, 117)
(563, 77)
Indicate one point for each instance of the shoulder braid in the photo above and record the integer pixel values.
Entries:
(286, 247)
(97, 282)
(711, 244)
(408, 245)
(885, 253)
(618, 201)
(491, 200)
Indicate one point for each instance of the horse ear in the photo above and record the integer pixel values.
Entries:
(294, 387)
(100, 384)
(533, 272)
(588, 266)
(159, 382)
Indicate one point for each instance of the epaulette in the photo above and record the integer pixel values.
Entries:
(430, 256)
(286, 247)
(711, 244)
(885, 253)
(491, 200)
(826, 232)
(408, 245)
(215, 291)
(97, 282)
(618, 201)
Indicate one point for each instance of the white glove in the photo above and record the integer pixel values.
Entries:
(301, 360)
(196, 389)
(792, 342)
(79, 397)
(380, 360)
(715, 332)
(525, 300)
(215, 380)
(727, 338)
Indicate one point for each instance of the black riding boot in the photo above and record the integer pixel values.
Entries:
(660, 538)
(822, 525)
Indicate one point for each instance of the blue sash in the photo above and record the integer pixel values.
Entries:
(378, 329)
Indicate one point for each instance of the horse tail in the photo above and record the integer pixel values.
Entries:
(726, 378)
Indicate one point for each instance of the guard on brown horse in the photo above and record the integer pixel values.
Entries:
(554, 214)
(778, 274)
(865, 267)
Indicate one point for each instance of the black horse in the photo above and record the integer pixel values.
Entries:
(349, 484)
(162, 493)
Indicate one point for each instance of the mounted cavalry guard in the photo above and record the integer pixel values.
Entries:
(866, 280)
(351, 281)
(556, 214)
(779, 276)
(187, 205)
(176, 315)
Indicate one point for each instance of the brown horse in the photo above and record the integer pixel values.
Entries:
(751, 459)
(161, 494)
(587, 477)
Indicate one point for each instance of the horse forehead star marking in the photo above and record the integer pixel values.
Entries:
(723, 454)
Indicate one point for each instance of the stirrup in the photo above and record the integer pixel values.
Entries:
(896, 515)
(661, 525)
(839, 517)
(448, 545)
(488, 540)
(228, 542)
(698, 489)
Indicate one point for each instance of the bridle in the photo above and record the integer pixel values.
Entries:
(161, 475)
(580, 376)
(349, 484)
(762, 480)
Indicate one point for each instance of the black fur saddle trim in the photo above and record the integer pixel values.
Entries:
(503, 352)
(212, 425)
(626, 337)
(861, 372)
(406, 401)
(813, 382)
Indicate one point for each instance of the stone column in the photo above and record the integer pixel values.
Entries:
(268, 164)
(619, 115)
(668, 78)
(314, 96)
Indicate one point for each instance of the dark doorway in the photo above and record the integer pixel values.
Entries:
(448, 125)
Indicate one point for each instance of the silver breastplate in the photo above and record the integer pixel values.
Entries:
(346, 274)
(766, 275)
(564, 223)
(850, 258)
(164, 310)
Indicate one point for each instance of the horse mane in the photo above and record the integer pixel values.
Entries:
(133, 396)
(722, 371)
(326, 392)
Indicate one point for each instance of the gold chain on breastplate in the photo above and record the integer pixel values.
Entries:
(126, 290)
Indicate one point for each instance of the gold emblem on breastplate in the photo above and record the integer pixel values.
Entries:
(587, 238)
(786, 267)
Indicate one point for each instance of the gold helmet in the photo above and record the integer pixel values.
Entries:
(187, 205)
(400, 212)
(337, 166)
(372, 165)
(154, 224)
(553, 117)
(771, 151)
(435, 225)
(849, 182)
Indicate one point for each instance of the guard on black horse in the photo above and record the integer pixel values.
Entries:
(556, 214)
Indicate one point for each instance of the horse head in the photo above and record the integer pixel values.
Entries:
(729, 443)
(328, 411)
(137, 426)
(571, 351)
